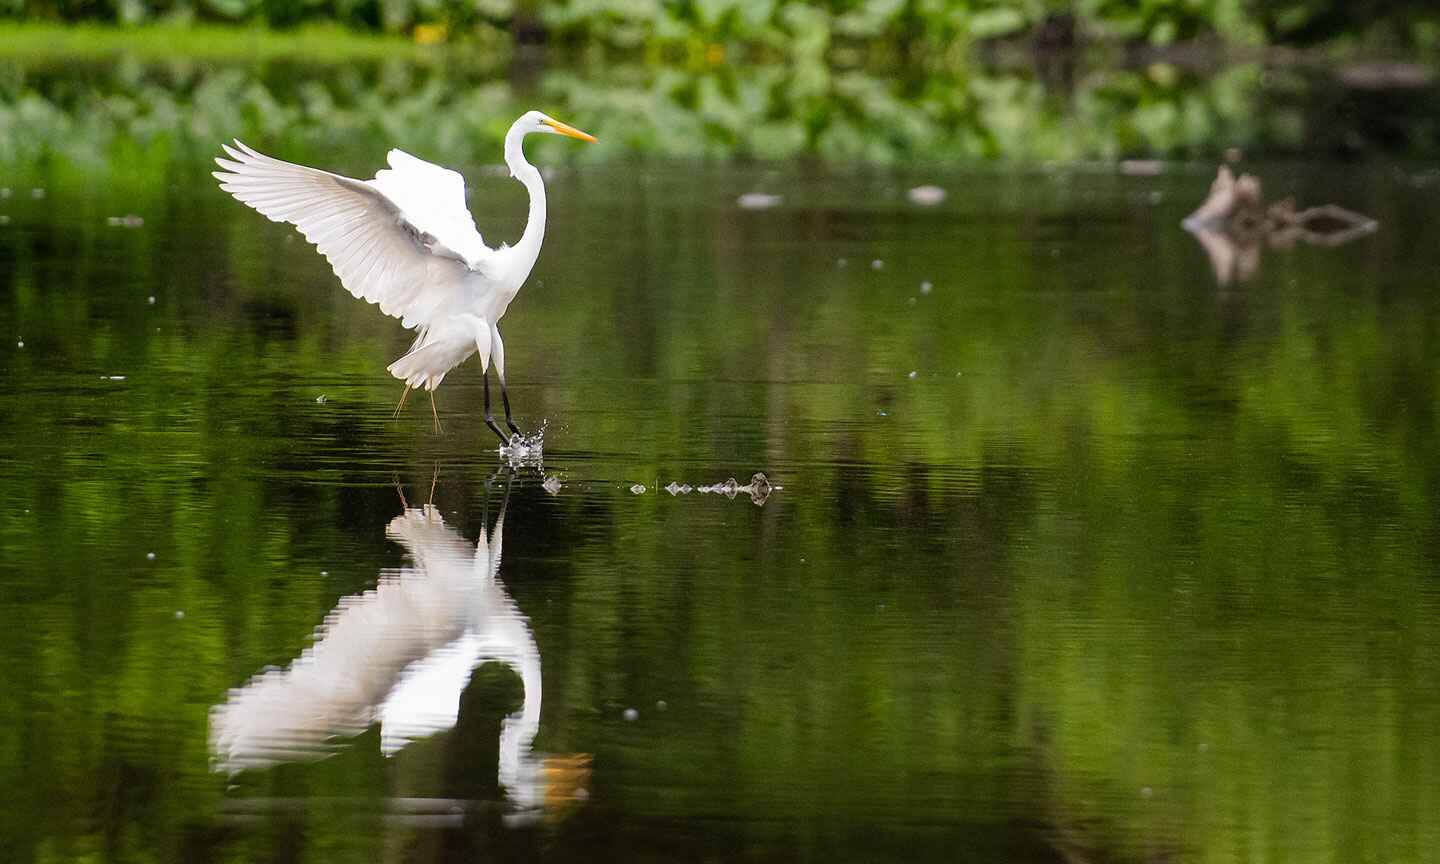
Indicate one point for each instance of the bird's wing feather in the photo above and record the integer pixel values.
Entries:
(380, 254)
(433, 199)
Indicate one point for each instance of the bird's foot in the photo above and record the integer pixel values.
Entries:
(504, 439)
(524, 450)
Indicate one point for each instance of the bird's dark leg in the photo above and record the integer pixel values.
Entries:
(489, 415)
(505, 400)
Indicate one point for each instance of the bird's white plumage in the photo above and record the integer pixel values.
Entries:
(379, 254)
(406, 242)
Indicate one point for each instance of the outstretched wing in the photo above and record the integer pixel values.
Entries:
(382, 253)
(433, 199)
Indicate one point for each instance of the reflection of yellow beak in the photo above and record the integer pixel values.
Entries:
(569, 130)
(567, 778)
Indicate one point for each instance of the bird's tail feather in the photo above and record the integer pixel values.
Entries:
(426, 365)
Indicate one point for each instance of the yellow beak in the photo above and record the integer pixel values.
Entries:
(569, 130)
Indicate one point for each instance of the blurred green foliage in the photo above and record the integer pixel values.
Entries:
(896, 27)
(456, 111)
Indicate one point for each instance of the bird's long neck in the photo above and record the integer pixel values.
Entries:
(528, 249)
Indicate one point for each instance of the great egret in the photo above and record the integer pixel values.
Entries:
(406, 242)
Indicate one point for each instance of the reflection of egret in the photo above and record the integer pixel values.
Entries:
(406, 241)
(401, 655)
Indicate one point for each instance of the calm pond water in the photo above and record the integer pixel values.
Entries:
(1079, 553)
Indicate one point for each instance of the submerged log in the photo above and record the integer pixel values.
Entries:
(1234, 221)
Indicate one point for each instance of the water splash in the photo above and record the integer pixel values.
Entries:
(525, 451)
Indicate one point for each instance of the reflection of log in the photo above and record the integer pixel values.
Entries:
(1234, 220)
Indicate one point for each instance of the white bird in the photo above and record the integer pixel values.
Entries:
(406, 242)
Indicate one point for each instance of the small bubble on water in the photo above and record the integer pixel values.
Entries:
(631, 715)
(552, 485)
(881, 413)
(37, 193)
(4, 220)
(842, 262)
(662, 705)
(1146, 792)
(914, 373)
(20, 344)
(910, 301)
(4, 191)
(149, 556)
(877, 264)
(926, 196)
(324, 572)
(758, 201)
(321, 399)
(179, 614)
(150, 299)
(638, 489)
(926, 287)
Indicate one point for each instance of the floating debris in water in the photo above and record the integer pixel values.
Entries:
(1234, 223)
(758, 201)
(112, 377)
(321, 399)
(552, 485)
(926, 287)
(37, 193)
(910, 301)
(638, 489)
(679, 488)
(5, 192)
(877, 264)
(129, 220)
(631, 715)
(759, 488)
(926, 196)
(1142, 167)
(842, 263)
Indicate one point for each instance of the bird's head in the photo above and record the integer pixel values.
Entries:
(535, 121)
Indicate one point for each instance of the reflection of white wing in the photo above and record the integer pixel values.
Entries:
(366, 642)
(384, 251)
(403, 655)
